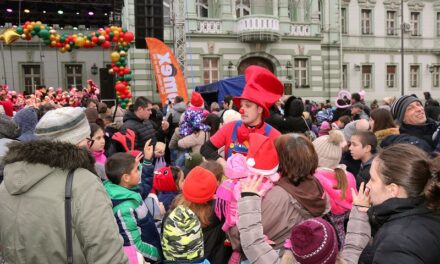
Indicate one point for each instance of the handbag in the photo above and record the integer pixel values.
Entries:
(68, 216)
(309, 133)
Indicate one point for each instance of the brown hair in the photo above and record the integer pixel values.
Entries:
(342, 182)
(203, 211)
(215, 168)
(298, 158)
(411, 168)
(382, 119)
(367, 138)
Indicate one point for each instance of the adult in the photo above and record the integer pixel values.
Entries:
(176, 111)
(9, 131)
(227, 105)
(297, 196)
(358, 98)
(261, 91)
(294, 121)
(357, 111)
(404, 195)
(27, 119)
(410, 114)
(6, 104)
(382, 124)
(137, 119)
(33, 196)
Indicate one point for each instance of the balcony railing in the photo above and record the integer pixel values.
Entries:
(258, 28)
(209, 27)
(300, 30)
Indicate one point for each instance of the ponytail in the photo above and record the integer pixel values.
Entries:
(342, 184)
(432, 189)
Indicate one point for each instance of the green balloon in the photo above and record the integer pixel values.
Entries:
(37, 28)
(62, 39)
(111, 35)
(124, 30)
(44, 33)
(127, 77)
(118, 63)
(89, 37)
(47, 41)
(19, 30)
(123, 105)
(33, 32)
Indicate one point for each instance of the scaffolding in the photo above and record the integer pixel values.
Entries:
(179, 31)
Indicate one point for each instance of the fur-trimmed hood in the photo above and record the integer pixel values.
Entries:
(26, 163)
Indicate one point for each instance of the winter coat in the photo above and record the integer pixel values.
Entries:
(280, 212)
(381, 134)
(258, 251)
(404, 231)
(32, 221)
(194, 141)
(364, 173)
(136, 224)
(143, 129)
(425, 132)
(176, 112)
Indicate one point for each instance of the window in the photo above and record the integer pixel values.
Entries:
(74, 75)
(344, 20)
(32, 77)
(366, 76)
(202, 8)
(391, 23)
(438, 24)
(301, 74)
(415, 24)
(436, 76)
(366, 21)
(414, 75)
(167, 12)
(344, 76)
(242, 8)
(391, 76)
(210, 70)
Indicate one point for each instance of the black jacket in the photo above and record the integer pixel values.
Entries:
(144, 130)
(404, 231)
(424, 132)
(364, 173)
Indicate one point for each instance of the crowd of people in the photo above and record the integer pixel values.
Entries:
(261, 178)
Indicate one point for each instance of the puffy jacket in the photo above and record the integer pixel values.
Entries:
(32, 222)
(143, 129)
(176, 112)
(404, 231)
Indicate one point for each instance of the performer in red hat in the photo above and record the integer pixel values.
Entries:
(261, 91)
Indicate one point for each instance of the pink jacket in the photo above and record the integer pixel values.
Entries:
(327, 178)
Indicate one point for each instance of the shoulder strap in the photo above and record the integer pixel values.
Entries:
(234, 131)
(308, 128)
(68, 216)
(267, 129)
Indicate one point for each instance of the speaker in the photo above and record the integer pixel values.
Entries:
(148, 15)
(107, 84)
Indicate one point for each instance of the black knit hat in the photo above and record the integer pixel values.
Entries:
(398, 109)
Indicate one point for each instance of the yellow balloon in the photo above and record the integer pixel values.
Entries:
(79, 41)
(9, 36)
(115, 56)
(62, 50)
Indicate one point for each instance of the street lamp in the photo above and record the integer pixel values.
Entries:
(288, 66)
(94, 69)
(430, 68)
(357, 67)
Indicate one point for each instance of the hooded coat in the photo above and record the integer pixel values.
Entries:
(32, 221)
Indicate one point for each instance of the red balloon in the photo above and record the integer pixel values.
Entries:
(95, 39)
(128, 37)
(120, 87)
(115, 68)
(108, 30)
(115, 39)
(127, 71)
(106, 45)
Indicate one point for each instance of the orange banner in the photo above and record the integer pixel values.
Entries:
(169, 77)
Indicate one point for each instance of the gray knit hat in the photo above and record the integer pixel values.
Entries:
(65, 124)
(398, 108)
(329, 149)
(8, 128)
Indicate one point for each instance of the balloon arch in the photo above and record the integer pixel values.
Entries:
(103, 37)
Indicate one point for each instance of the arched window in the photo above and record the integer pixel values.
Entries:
(242, 8)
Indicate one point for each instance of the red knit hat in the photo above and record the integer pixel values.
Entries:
(197, 100)
(163, 180)
(262, 87)
(314, 241)
(262, 157)
(199, 186)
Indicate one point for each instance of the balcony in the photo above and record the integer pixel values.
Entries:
(258, 28)
(209, 27)
(300, 30)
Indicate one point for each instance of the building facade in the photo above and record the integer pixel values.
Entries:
(315, 47)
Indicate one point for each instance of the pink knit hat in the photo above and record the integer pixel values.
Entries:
(314, 241)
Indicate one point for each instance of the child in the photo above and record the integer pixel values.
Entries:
(167, 183)
(97, 143)
(182, 239)
(136, 225)
(363, 147)
(335, 180)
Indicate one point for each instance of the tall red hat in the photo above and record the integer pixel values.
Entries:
(262, 157)
(262, 87)
(197, 100)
